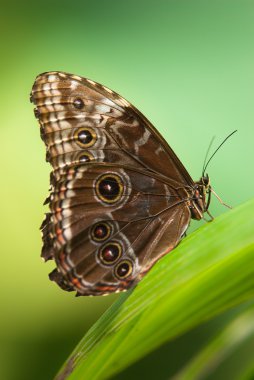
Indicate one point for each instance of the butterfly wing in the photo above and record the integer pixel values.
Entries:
(78, 114)
(105, 241)
(116, 203)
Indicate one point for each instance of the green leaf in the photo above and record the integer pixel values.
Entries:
(211, 271)
(234, 337)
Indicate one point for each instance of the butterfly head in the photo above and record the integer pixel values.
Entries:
(201, 197)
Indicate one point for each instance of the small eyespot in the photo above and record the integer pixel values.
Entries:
(110, 253)
(109, 188)
(78, 103)
(123, 269)
(85, 157)
(101, 231)
(31, 98)
(85, 137)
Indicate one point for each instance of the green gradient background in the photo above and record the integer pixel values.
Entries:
(187, 65)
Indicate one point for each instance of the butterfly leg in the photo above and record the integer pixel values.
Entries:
(212, 218)
(220, 200)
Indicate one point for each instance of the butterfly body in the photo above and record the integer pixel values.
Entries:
(120, 198)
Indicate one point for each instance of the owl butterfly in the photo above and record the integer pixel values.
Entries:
(120, 198)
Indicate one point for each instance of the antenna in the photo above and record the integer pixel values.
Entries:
(216, 150)
(206, 155)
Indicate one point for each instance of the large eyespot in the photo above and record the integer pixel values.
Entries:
(85, 137)
(123, 269)
(110, 253)
(109, 188)
(101, 231)
(85, 157)
(78, 103)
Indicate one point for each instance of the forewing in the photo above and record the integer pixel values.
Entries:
(114, 131)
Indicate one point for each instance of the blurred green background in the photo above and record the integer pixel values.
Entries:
(187, 65)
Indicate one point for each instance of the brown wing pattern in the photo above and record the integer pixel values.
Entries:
(67, 103)
(115, 202)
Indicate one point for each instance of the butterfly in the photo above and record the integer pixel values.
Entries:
(120, 198)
